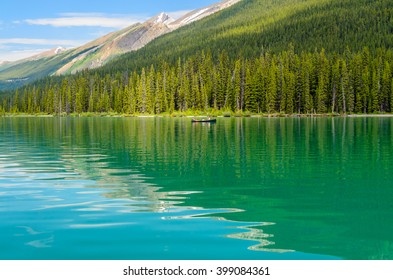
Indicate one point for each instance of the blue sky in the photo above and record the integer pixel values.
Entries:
(30, 27)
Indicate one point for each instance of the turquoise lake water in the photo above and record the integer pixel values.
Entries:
(164, 188)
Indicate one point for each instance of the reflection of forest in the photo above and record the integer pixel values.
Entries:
(323, 184)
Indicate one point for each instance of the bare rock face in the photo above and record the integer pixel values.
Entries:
(135, 37)
(202, 12)
(100, 51)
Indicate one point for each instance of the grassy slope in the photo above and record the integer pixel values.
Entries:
(100, 52)
(34, 69)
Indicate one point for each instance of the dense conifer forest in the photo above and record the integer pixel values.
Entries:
(259, 56)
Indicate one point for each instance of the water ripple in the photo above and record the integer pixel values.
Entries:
(129, 188)
(102, 225)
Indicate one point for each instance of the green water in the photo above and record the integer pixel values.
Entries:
(157, 188)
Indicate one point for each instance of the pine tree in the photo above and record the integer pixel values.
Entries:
(306, 86)
(344, 87)
(236, 78)
(335, 85)
(290, 93)
(150, 91)
(271, 90)
(375, 92)
(172, 93)
(142, 93)
(391, 96)
(15, 101)
(365, 94)
(164, 89)
(385, 88)
(250, 93)
(321, 93)
(159, 95)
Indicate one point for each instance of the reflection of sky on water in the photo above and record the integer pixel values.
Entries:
(83, 192)
(168, 180)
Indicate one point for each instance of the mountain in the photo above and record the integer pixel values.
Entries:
(202, 12)
(4, 63)
(17, 73)
(44, 55)
(134, 38)
(261, 56)
(100, 51)
(253, 27)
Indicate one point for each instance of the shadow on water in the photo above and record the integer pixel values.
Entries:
(274, 188)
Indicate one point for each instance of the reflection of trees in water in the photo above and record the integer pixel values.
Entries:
(129, 185)
(306, 176)
(262, 239)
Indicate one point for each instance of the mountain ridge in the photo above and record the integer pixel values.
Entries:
(259, 56)
(253, 27)
(100, 51)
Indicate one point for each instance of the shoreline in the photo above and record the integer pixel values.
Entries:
(185, 115)
(371, 115)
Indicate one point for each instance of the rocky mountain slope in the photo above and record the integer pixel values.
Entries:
(100, 51)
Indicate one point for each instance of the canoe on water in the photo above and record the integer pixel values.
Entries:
(203, 120)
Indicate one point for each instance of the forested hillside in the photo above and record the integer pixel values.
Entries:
(100, 51)
(254, 26)
(260, 56)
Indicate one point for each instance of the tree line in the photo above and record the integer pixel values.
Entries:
(252, 26)
(287, 82)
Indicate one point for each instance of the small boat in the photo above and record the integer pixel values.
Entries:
(209, 120)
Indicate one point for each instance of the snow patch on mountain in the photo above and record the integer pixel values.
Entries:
(98, 52)
(161, 19)
(194, 17)
(59, 50)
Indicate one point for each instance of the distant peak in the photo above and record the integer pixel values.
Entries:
(59, 50)
(163, 18)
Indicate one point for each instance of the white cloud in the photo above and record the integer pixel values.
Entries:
(30, 41)
(83, 15)
(88, 19)
(17, 55)
(12, 49)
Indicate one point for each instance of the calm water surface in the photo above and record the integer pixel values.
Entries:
(132, 188)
